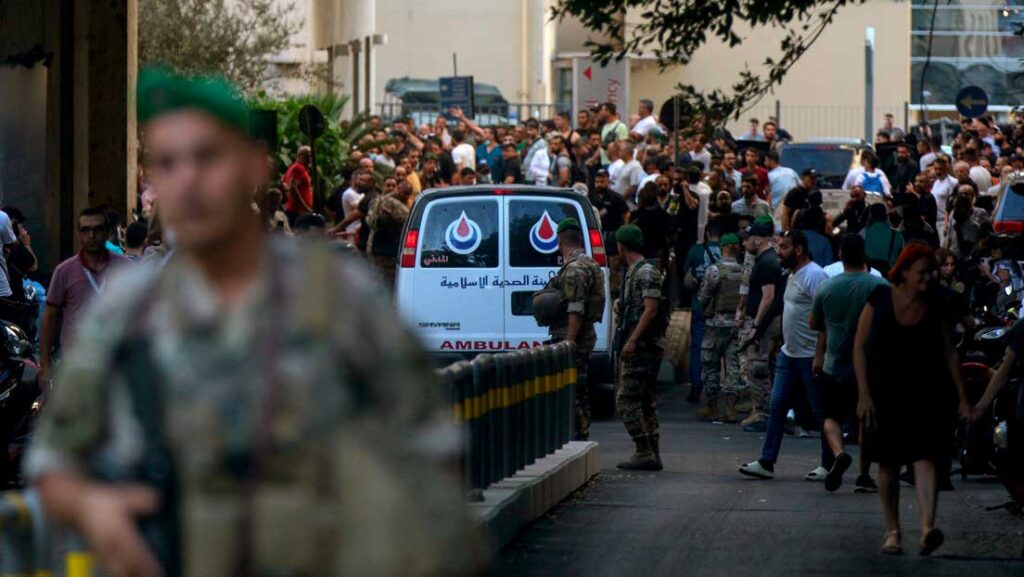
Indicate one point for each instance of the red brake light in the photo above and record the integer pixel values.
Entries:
(1007, 226)
(597, 248)
(503, 192)
(412, 240)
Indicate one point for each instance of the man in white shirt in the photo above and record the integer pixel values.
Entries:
(729, 167)
(700, 153)
(753, 133)
(942, 188)
(629, 176)
(647, 120)
(463, 154)
(929, 151)
(540, 165)
(615, 162)
(695, 180)
(351, 197)
(977, 173)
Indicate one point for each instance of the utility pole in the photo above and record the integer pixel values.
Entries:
(869, 83)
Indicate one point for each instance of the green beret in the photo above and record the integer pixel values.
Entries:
(729, 239)
(764, 219)
(161, 91)
(568, 224)
(630, 236)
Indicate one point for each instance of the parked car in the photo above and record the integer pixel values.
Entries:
(832, 158)
(1008, 216)
(472, 259)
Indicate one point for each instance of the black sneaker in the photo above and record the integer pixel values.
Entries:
(834, 480)
(865, 484)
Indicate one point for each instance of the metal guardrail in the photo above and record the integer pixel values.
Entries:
(516, 408)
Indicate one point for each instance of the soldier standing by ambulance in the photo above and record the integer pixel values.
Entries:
(580, 286)
(720, 296)
(642, 320)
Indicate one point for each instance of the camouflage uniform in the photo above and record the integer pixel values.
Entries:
(748, 354)
(386, 219)
(721, 339)
(582, 282)
(347, 455)
(636, 400)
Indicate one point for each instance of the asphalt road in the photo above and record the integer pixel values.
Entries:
(701, 517)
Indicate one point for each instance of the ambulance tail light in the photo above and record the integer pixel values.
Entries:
(1008, 227)
(412, 240)
(597, 248)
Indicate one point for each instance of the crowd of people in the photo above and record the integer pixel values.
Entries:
(797, 315)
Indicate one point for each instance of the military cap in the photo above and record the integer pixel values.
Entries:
(568, 224)
(161, 91)
(630, 236)
(764, 219)
(729, 239)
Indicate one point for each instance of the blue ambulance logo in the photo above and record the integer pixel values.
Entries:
(463, 235)
(544, 235)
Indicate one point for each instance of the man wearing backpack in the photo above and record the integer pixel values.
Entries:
(643, 318)
(698, 259)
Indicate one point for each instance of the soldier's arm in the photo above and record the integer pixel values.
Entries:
(575, 287)
(646, 318)
(709, 286)
(650, 287)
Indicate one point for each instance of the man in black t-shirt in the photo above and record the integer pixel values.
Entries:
(797, 199)
(511, 166)
(762, 322)
(609, 205)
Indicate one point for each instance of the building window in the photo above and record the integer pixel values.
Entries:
(563, 99)
(972, 44)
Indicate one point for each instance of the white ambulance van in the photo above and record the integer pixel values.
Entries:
(473, 256)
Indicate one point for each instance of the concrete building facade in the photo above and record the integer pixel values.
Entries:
(514, 45)
(67, 113)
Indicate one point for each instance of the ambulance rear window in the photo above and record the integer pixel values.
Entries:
(460, 234)
(533, 226)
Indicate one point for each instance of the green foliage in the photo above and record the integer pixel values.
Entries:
(229, 37)
(332, 149)
(673, 30)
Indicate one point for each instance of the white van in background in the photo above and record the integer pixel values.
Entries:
(472, 257)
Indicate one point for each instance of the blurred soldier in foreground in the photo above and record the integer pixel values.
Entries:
(579, 285)
(251, 408)
(643, 318)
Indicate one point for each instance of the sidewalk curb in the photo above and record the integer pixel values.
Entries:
(514, 502)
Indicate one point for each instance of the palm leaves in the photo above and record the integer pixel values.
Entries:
(333, 148)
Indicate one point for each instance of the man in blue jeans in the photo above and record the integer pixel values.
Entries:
(794, 367)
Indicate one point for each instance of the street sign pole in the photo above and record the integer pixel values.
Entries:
(313, 124)
(869, 84)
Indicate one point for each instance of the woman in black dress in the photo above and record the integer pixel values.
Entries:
(908, 375)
